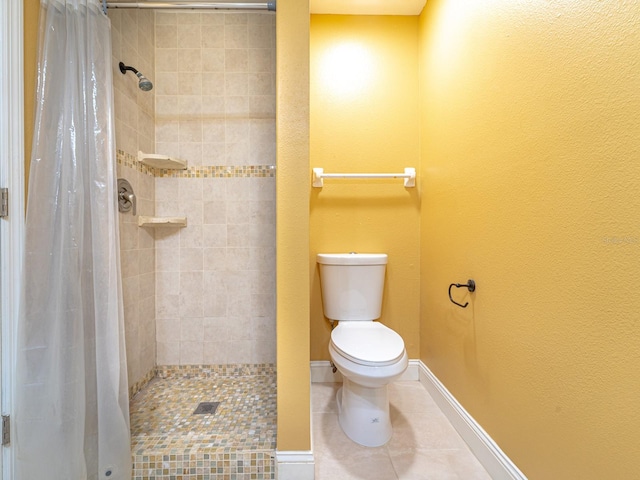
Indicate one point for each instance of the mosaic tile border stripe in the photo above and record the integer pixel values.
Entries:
(131, 161)
(203, 371)
(211, 171)
(205, 466)
(207, 371)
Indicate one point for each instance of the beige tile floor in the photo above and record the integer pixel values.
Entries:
(424, 445)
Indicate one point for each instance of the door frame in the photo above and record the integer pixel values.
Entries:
(11, 177)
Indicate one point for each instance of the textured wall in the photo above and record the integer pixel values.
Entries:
(530, 181)
(292, 27)
(364, 118)
(31, 11)
(132, 39)
(215, 106)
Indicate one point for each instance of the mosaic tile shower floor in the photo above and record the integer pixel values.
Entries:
(238, 442)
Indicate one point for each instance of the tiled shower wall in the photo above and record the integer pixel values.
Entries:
(215, 108)
(132, 40)
(205, 293)
(132, 36)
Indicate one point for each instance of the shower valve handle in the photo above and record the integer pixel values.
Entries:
(129, 198)
(126, 197)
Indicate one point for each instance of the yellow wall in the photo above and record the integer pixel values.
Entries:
(292, 225)
(364, 118)
(530, 126)
(30, 12)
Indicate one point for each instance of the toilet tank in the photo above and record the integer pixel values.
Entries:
(352, 284)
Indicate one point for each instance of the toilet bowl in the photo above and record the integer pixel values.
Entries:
(368, 354)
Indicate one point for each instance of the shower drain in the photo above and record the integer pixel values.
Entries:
(205, 408)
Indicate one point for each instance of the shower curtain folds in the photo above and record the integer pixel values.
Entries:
(72, 411)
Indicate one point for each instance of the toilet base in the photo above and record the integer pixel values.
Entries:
(363, 413)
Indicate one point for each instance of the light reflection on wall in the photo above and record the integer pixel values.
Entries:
(346, 70)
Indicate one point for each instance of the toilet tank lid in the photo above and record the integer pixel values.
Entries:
(352, 258)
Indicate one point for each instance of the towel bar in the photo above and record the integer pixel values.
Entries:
(409, 176)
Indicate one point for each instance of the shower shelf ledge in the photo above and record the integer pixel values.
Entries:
(161, 161)
(157, 222)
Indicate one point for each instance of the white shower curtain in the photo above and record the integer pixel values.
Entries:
(72, 413)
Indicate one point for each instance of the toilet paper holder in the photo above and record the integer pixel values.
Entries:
(471, 285)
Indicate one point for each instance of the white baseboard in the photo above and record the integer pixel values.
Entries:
(488, 453)
(322, 372)
(295, 465)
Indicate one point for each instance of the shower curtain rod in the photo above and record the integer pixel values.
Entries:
(271, 6)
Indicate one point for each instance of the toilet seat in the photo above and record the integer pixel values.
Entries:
(367, 343)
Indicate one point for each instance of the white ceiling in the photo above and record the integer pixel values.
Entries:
(368, 7)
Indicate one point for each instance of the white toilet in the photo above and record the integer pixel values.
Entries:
(368, 354)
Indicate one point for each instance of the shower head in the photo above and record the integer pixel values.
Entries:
(144, 84)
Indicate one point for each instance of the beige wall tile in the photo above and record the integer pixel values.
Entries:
(167, 107)
(260, 18)
(191, 330)
(212, 36)
(166, 83)
(215, 258)
(189, 36)
(166, 18)
(190, 60)
(191, 152)
(215, 352)
(260, 60)
(212, 18)
(213, 59)
(214, 88)
(190, 83)
(261, 83)
(191, 353)
(189, 18)
(239, 351)
(167, 306)
(165, 261)
(215, 106)
(236, 18)
(166, 36)
(260, 36)
(146, 259)
(166, 60)
(190, 130)
(168, 353)
(191, 259)
(236, 84)
(167, 283)
(129, 263)
(236, 60)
